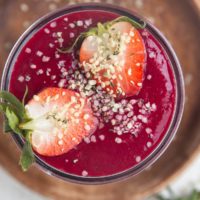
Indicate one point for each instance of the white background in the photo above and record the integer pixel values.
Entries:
(9, 187)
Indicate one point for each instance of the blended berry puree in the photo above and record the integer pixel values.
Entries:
(106, 152)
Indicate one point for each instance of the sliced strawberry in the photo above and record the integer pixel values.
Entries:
(61, 119)
(116, 59)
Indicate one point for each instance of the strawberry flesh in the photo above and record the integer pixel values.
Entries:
(121, 70)
(61, 119)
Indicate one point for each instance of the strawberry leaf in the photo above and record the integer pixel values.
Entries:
(14, 102)
(16, 115)
(80, 38)
(6, 127)
(13, 120)
(138, 25)
(69, 50)
(2, 107)
(27, 157)
(101, 29)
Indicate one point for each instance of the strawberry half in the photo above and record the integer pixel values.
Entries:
(61, 119)
(116, 59)
(115, 55)
(53, 122)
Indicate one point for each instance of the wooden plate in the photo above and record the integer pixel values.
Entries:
(180, 24)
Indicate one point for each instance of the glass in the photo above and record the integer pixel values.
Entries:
(179, 87)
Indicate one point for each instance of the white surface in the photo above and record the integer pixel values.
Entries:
(11, 189)
(189, 180)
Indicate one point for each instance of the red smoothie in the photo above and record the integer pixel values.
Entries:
(111, 149)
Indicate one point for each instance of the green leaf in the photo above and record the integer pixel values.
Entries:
(3, 107)
(69, 50)
(13, 120)
(80, 38)
(138, 25)
(195, 195)
(92, 31)
(10, 111)
(6, 127)
(101, 29)
(15, 114)
(13, 101)
(27, 157)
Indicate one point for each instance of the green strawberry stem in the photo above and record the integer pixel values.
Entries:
(41, 123)
(17, 120)
(100, 29)
(27, 125)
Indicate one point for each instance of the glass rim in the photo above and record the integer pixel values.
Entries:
(180, 92)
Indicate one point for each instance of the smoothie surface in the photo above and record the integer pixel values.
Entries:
(40, 65)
